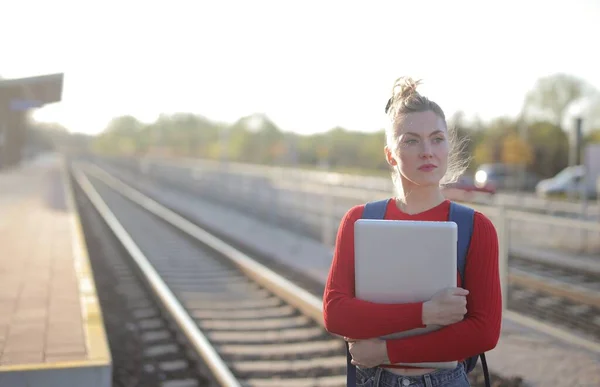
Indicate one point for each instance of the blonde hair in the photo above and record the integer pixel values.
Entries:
(406, 99)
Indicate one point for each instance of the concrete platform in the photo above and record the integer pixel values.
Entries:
(51, 328)
(539, 353)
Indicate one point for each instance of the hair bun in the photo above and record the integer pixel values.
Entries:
(405, 87)
(404, 90)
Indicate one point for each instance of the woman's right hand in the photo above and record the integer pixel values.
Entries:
(446, 307)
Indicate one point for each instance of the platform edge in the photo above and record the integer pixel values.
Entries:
(96, 339)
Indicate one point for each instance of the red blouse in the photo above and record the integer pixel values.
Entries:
(478, 332)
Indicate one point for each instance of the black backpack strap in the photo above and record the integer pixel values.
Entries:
(350, 369)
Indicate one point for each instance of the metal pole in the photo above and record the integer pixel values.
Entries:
(523, 134)
(2, 141)
(598, 196)
(503, 253)
(575, 151)
(585, 184)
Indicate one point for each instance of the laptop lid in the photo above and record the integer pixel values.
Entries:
(399, 261)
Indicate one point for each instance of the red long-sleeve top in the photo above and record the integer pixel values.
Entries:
(478, 332)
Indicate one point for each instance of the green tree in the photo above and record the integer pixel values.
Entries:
(256, 139)
(550, 148)
(488, 142)
(552, 96)
(593, 137)
(515, 151)
(593, 112)
(485, 153)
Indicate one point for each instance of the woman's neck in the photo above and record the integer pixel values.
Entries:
(416, 199)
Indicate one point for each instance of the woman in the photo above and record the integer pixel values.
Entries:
(424, 155)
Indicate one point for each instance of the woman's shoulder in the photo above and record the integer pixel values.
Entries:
(483, 227)
(353, 214)
(346, 226)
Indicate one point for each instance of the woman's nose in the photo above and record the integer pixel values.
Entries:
(426, 150)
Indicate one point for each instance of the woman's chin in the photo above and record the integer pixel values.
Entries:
(427, 181)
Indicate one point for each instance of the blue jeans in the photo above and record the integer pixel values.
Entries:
(379, 377)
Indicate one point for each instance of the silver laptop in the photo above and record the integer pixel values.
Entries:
(403, 262)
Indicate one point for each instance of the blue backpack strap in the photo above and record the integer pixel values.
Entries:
(463, 217)
(372, 210)
(375, 210)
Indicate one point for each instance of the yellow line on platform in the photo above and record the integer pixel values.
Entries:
(97, 348)
(53, 365)
(97, 342)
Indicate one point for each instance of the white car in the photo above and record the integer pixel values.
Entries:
(569, 180)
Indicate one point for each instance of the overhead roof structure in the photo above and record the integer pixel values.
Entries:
(17, 96)
(32, 91)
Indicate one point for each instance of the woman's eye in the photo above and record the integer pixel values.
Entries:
(410, 141)
(438, 139)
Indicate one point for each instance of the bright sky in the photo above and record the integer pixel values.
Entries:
(309, 65)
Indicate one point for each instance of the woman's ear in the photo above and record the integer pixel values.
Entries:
(389, 156)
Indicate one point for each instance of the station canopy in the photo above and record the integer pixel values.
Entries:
(32, 92)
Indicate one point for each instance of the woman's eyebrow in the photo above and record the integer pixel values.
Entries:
(418, 135)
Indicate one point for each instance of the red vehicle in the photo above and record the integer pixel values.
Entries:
(465, 189)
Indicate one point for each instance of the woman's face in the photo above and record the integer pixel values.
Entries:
(421, 153)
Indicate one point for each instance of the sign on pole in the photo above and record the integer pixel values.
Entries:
(24, 104)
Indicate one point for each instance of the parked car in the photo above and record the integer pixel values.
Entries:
(506, 177)
(568, 182)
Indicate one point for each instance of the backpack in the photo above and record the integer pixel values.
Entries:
(463, 217)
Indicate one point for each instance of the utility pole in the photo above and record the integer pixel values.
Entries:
(576, 142)
(575, 148)
(523, 134)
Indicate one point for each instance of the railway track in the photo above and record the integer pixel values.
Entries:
(264, 333)
(566, 297)
(145, 347)
(246, 331)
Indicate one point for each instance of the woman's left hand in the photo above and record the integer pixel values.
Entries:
(367, 353)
